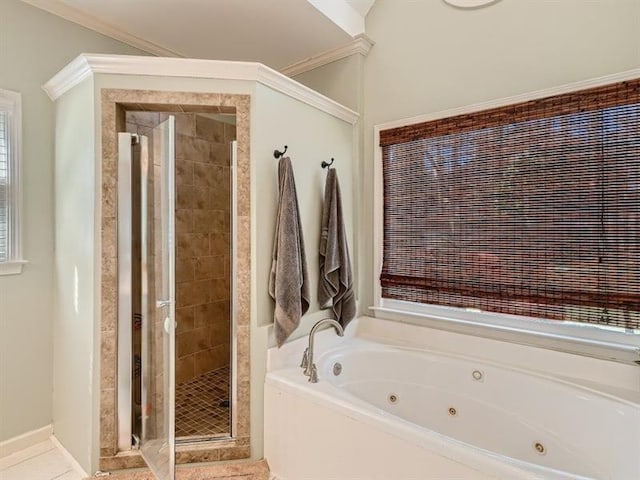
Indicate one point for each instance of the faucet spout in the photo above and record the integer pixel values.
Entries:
(310, 369)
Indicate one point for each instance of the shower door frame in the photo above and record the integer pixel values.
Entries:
(115, 103)
(127, 143)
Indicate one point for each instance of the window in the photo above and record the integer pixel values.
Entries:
(532, 209)
(10, 247)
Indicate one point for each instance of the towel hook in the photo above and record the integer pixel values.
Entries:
(278, 154)
(325, 164)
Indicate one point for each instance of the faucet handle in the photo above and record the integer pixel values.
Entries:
(305, 359)
(313, 374)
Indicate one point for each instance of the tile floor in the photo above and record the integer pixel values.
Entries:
(199, 411)
(42, 461)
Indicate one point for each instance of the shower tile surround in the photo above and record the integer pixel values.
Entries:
(203, 231)
(114, 104)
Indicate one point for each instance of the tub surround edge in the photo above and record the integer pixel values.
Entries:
(608, 378)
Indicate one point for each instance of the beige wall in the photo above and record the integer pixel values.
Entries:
(339, 80)
(343, 82)
(312, 136)
(33, 46)
(74, 358)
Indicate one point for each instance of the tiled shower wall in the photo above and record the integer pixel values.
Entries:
(203, 239)
(203, 246)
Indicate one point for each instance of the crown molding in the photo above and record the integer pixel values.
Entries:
(61, 9)
(86, 65)
(277, 81)
(71, 75)
(361, 44)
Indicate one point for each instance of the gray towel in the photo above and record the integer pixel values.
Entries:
(335, 288)
(288, 282)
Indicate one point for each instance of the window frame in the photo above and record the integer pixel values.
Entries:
(11, 101)
(598, 341)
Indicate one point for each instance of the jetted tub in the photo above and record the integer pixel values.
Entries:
(397, 413)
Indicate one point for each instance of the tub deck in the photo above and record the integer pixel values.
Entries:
(405, 413)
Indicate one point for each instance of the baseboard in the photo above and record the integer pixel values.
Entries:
(72, 461)
(25, 440)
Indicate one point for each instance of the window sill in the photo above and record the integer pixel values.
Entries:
(569, 338)
(13, 267)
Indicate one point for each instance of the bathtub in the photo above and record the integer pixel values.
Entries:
(396, 412)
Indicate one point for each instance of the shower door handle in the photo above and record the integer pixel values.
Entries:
(163, 303)
(168, 324)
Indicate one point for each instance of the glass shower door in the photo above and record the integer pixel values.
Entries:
(157, 442)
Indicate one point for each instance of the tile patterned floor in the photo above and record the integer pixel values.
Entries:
(42, 461)
(199, 407)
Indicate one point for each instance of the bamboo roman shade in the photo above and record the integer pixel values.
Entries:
(531, 209)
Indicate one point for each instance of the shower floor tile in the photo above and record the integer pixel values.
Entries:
(200, 411)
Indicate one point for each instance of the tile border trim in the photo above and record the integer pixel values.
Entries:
(112, 118)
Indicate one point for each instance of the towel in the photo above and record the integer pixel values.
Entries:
(335, 288)
(288, 282)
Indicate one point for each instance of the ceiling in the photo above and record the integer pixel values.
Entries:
(277, 33)
(361, 6)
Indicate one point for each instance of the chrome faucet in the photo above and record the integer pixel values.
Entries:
(310, 369)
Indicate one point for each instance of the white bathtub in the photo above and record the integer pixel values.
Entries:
(397, 413)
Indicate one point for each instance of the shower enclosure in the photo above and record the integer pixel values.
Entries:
(175, 271)
(222, 245)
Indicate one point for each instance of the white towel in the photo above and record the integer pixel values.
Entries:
(335, 288)
(288, 281)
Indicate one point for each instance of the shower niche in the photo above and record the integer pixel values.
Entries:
(165, 201)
